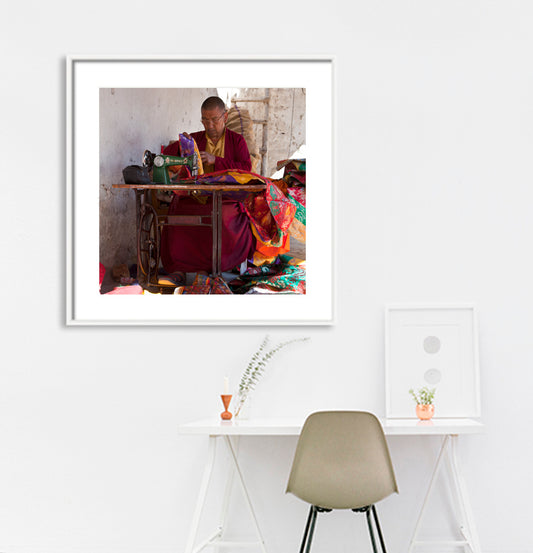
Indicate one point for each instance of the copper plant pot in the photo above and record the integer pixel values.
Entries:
(425, 412)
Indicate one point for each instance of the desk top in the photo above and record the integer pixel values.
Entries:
(292, 427)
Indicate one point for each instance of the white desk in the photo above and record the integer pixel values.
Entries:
(229, 431)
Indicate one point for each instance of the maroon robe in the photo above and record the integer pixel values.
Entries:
(189, 249)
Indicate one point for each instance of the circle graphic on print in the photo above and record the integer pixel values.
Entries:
(432, 376)
(431, 344)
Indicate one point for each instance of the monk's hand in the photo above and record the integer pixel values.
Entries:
(187, 136)
(207, 158)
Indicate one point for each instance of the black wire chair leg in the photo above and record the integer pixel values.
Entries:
(311, 529)
(306, 531)
(380, 534)
(370, 531)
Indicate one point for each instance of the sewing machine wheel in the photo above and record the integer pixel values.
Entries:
(148, 244)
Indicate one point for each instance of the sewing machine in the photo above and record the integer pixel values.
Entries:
(160, 164)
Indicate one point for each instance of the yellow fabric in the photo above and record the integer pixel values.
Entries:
(197, 152)
(200, 199)
(215, 149)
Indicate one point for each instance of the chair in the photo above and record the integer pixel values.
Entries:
(342, 462)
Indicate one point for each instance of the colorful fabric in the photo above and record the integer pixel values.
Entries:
(285, 275)
(232, 176)
(297, 228)
(291, 164)
(298, 193)
(262, 219)
(184, 147)
(102, 274)
(134, 289)
(187, 145)
(205, 285)
(294, 172)
(274, 214)
(267, 254)
(294, 176)
(282, 207)
(270, 212)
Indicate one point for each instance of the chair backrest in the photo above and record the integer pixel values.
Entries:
(342, 461)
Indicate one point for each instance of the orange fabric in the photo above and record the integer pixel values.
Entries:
(265, 253)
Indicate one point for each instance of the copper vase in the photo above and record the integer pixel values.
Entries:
(425, 412)
(226, 399)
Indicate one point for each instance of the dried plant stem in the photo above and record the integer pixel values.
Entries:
(256, 367)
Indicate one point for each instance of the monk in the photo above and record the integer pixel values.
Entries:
(189, 249)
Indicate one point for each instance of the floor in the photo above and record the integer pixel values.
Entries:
(297, 250)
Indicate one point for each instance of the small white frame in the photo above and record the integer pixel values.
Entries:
(435, 346)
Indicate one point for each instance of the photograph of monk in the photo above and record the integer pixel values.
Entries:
(202, 191)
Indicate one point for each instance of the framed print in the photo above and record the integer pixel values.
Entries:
(123, 111)
(433, 346)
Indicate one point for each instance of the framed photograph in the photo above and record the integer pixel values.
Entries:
(119, 107)
(433, 346)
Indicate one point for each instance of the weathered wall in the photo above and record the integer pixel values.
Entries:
(286, 125)
(131, 121)
(285, 113)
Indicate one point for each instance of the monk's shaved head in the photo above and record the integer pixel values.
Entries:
(213, 102)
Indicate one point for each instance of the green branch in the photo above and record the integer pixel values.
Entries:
(256, 367)
(423, 396)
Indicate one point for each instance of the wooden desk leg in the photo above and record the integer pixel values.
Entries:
(200, 502)
(233, 455)
(219, 234)
(466, 519)
(216, 224)
(215, 228)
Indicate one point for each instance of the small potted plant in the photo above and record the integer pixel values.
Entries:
(424, 402)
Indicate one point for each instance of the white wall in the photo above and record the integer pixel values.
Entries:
(433, 203)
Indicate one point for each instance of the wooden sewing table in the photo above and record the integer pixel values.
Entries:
(218, 191)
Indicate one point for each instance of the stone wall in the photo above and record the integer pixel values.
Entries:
(285, 116)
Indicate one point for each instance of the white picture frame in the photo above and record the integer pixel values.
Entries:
(434, 346)
(86, 75)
